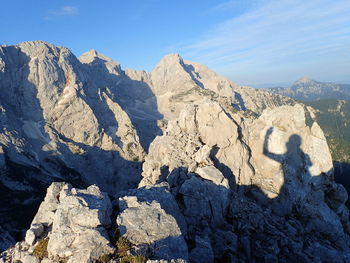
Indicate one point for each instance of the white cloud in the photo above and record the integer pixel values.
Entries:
(63, 11)
(277, 35)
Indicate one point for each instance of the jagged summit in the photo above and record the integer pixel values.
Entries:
(36, 43)
(36, 48)
(170, 59)
(92, 55)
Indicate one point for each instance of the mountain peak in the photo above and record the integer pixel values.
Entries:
(91, 55)
(171, 59)
(304, 79)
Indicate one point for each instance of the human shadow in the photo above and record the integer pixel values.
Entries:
(296, 213)
(298, 200)
(295, 165)
(245, 224)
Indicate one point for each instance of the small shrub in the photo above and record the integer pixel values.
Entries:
(123, 245)
(133, 259)
(40, 251)
(105, 258)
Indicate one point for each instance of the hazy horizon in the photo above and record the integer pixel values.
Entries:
(257, 43)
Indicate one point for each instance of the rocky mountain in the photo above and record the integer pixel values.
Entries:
(306, 89)
(330, 104)
(334, 118)
(174, 165)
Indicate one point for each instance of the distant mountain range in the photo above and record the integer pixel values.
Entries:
(306, 89)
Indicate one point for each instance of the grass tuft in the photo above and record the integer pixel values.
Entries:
(40, 250)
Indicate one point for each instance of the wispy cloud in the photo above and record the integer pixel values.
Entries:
(276, 35)
(235, 4)
(63, 11)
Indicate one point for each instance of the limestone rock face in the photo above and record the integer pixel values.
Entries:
(150, 216)
(64, 111)
(73, 223)
(87, 121)
(59, 119)
(276, 140)
(224, 169)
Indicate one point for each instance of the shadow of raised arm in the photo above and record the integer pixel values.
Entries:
(274, 156)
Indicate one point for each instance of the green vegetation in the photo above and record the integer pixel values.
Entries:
(133, 259)
(40, 251)
(105, 258)
(123, 246)
(122, 253)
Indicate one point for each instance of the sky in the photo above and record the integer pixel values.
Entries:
(259, 42)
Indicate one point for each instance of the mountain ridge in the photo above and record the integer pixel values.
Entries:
(306, 89)
(181, 142)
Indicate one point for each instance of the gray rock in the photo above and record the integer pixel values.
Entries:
(30, 237)
(148, 222)
(213, 174)
(35, 231)
(204, 202)
(29, 259)
(75, 223)
(78, 228)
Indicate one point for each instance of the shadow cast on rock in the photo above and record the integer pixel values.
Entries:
(26, 173)
(135, 97)
(308, 225)
(342, 176)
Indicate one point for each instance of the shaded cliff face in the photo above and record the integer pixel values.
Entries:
(233, 172)
(60, 122)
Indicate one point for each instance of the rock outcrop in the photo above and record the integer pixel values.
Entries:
(60, 121)
(75, 226)
(225, 170)
(70, 226)
(150, 217)
(229, 173)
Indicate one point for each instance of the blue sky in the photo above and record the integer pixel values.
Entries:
(254, 42)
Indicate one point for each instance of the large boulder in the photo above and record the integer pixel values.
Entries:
(150, 216)
(70, 225)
